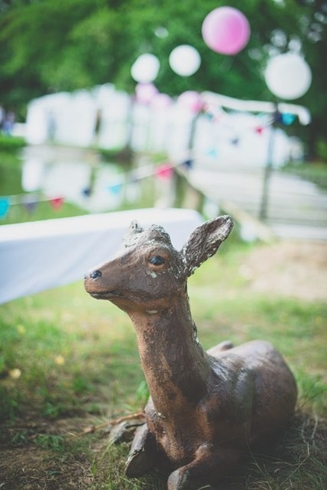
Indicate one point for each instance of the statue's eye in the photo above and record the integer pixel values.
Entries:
(157, 260)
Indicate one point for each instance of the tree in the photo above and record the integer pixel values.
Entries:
(313, 36)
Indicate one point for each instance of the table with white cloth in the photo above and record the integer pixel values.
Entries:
(39, 255)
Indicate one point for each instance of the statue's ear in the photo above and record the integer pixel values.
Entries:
(205, 241)
(134, 227)
(132, 231)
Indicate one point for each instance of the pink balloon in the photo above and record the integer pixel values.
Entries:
(160, 101)
(145, 92)
(226, 30)
(192, 100)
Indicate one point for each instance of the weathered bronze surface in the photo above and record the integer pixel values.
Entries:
(205, 408)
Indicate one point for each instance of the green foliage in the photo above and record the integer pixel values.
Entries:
(322, 149)
(10, 402)
(11, 143)
(53, 442)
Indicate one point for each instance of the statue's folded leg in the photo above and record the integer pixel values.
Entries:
(225, 345)
(141, 457)
(208, 466)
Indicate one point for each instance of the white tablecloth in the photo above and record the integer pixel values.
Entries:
(44, 254)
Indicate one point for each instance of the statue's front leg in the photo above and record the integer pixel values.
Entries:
(141, 458)
(208, 466)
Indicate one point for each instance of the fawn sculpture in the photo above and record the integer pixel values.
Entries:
(205, 407)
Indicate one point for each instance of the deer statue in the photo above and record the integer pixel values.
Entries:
(205, 408)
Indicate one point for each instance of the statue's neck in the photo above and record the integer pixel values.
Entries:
(174, 363)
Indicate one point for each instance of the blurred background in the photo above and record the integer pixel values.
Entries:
(231, 99)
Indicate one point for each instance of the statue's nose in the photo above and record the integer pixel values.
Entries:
(95, 275)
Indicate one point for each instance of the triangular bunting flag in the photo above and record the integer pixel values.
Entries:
(115, 188)
(188, 164)
(165, 171)
(30, 204)
(259, 130)
(57, 202)
(4, 207)
(87, 191)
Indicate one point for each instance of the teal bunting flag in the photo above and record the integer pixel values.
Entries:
(288, 119)
(4, 207)
(115, 188)
(213, 153)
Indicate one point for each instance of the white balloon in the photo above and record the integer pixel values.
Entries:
(145, 68)
(288, 76)
(184, 60)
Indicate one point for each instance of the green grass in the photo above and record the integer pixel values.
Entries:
(78, 365)
(11, 143)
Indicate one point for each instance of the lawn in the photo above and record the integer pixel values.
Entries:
(69, 364)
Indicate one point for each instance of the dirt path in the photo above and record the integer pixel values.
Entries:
(293, 269)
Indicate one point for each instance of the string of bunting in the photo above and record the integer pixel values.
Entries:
(30, 201)
(222, 117)
(163, 171)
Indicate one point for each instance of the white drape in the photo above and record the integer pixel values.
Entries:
(44, 254)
